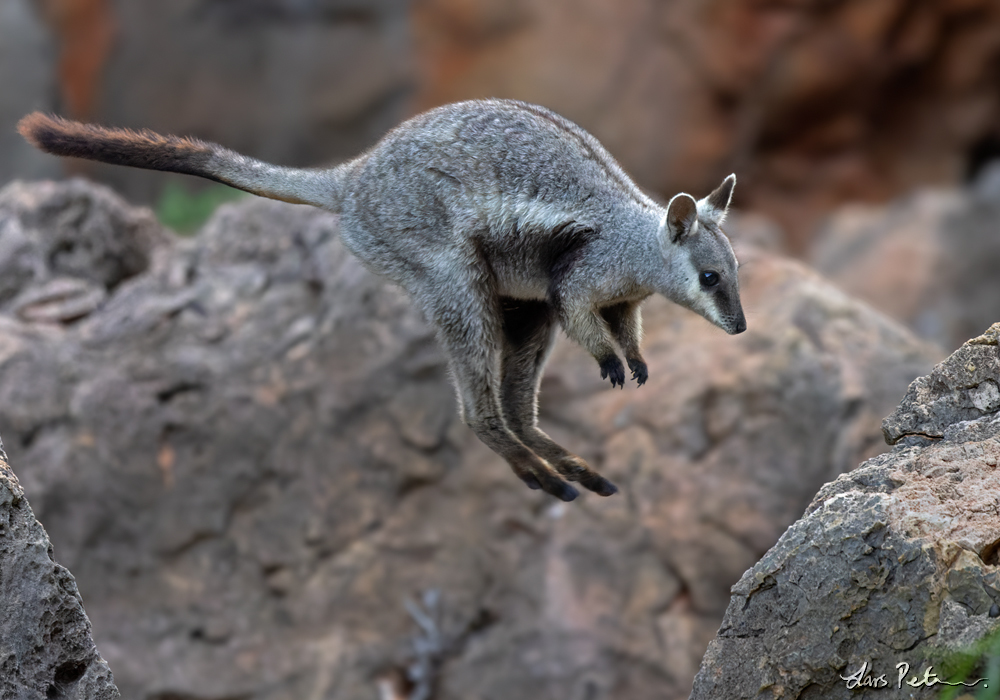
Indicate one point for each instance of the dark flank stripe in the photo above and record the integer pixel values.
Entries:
(138, 149)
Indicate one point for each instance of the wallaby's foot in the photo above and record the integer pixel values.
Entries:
(536, 474)
(575, 469)
(640, 373)
(560, 489)
(531, 480)
(612, 367)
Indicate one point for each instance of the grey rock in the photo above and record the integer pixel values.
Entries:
(46, 648)
(962, 388)
(249, 455)
(66, 242)
(894, 562)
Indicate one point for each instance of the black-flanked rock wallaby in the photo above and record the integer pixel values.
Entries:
(503, 221)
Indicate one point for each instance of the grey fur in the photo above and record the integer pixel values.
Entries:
(503, 220)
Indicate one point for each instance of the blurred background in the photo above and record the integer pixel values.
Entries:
(812, 102)
(248, 452)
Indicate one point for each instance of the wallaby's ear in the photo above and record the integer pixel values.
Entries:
(682, 214)
(713, 207)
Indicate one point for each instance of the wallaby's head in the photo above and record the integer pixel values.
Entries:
(701, 262)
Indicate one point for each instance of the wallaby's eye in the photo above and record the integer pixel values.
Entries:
(709, 278)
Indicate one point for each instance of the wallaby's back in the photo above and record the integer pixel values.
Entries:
(514, 176)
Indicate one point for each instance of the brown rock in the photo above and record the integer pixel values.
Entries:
(928, 259)
(251, 458)
(892, 564)
(813, 103)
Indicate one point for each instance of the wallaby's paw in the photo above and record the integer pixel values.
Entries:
(640, 373)
(575, 469)
(612, 367)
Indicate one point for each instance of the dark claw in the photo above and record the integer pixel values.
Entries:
(575, 469)
(598, 484)
(612, 367)
(531, 481)
(560, 489)
(640, 373)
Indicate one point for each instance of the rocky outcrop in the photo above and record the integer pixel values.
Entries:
(250, 457)
(893, 563)
(928, 259)
(46, 648)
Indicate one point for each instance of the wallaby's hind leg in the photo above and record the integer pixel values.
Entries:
(472, 337)
(528, 334)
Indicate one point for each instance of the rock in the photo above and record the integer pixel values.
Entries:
(64, 246)
(892, 563)
(46, 648)
(962, 389)
(249, 454)
(812, 103)
(927, 259)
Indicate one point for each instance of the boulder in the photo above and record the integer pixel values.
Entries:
(927, 259)
(893, 567)
(249, 454)
(46, 647)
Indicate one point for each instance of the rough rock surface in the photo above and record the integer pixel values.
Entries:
(894, 562)
(928, 259)
(249, 455)
(65, 247)
(46, 648)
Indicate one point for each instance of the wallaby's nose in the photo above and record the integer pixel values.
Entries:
(740, 326)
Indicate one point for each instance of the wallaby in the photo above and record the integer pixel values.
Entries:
(502, 220)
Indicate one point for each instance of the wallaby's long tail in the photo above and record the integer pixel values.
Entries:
(147, 149)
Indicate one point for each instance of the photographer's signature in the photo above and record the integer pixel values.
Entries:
(865, 678)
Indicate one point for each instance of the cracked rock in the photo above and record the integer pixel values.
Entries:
(46, 648)
(895, 562)
(962, 388)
